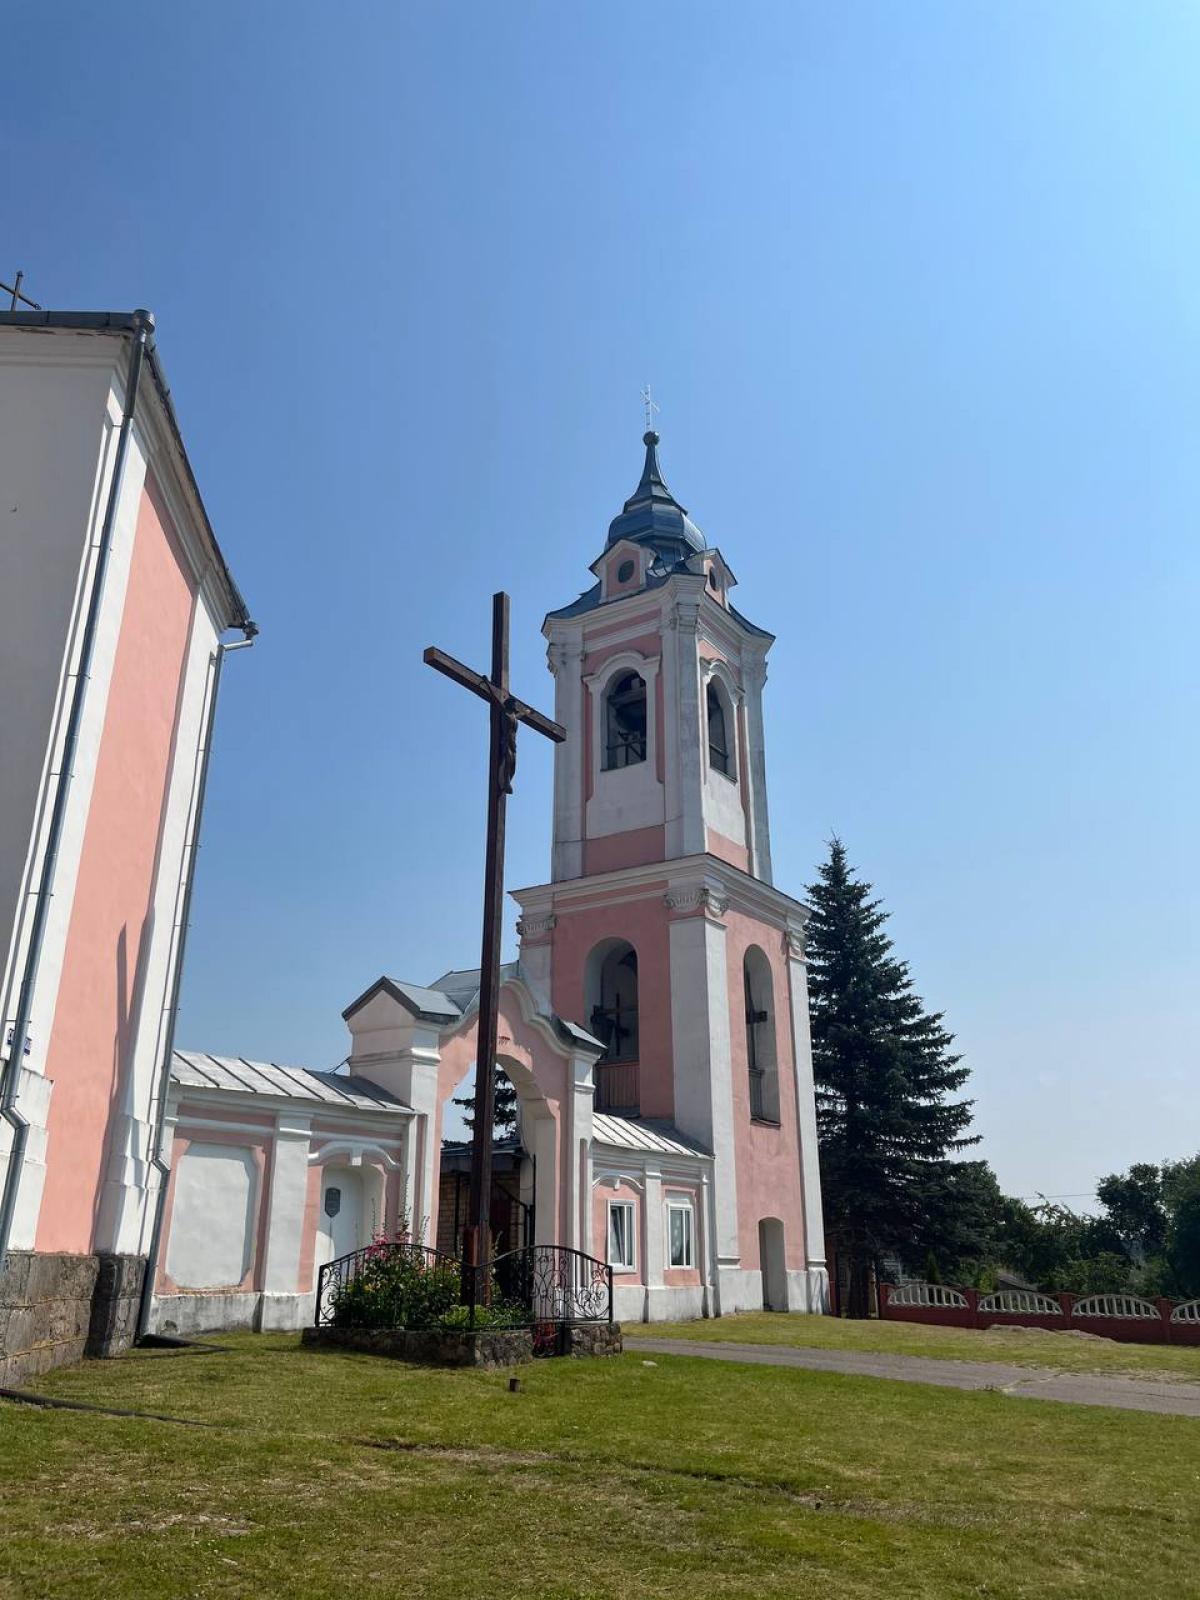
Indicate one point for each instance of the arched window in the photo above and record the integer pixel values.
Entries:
(761, 1058)
(720, 730)
(614, 1017)
(625, 721)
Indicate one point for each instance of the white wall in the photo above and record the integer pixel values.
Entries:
(212, 1219)
(55, 428)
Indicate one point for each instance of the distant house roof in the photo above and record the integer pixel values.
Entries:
(192, 1069)
(644, 1133)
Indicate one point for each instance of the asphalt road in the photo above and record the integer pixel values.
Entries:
(1024, 1383)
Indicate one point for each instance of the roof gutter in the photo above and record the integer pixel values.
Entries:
(10, 1069)
(158, 1161)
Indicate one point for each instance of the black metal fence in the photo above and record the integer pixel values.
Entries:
(543, 1285)
(344, 1273)
(551, 1283)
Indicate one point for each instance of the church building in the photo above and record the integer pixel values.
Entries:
(654, 1024)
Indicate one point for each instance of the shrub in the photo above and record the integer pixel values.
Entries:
(396, 1287)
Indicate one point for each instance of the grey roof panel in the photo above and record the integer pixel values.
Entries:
(646, 1134)
(235, 1075)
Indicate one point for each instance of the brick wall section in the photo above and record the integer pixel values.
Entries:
(56, 1308)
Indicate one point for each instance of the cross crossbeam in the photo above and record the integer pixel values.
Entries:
(506, 714)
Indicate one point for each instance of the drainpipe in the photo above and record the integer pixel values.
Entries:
(10, 1070)
(158, 1159)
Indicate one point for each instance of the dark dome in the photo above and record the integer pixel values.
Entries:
(652, 515)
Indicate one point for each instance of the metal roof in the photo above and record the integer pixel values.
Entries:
(462, 984)
(192, 1069)
(643, 1134)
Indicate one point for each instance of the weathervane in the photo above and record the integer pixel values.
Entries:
(651, 408)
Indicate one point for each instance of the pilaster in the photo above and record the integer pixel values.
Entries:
(754, 677)
(565, 657)
(806, 1114)
(702, 1051)
(286, 1199)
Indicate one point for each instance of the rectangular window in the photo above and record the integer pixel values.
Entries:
(620, 1233)
(680, 1228)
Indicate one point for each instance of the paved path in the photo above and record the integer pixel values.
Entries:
(1026, 1383)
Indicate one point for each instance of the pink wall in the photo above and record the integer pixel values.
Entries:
(537, 1070)
(682, 1277)
(601, 1195)
(643, 923)
(726, 849)
(100, 993)
(767, 1158)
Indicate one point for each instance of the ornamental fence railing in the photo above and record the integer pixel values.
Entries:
(340, 1281)
(395, 1284)
(1129, 1317)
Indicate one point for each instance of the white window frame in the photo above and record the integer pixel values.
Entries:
(631, 1236)
(689, 1234)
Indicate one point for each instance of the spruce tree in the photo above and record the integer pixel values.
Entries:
(884, 1073)
(504, 1106)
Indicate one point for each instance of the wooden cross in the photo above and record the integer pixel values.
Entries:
(506, 712)
(14, 290)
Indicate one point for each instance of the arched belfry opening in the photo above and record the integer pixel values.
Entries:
(625, 721)
(720, 730)
(761, 1054)
(611, 988)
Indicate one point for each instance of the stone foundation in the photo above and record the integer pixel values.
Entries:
(486, 1348)
(55, 1309)
(116, 1300)
(592, 1339)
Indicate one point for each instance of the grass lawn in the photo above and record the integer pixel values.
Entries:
(342, 1475)
(1034, 1348)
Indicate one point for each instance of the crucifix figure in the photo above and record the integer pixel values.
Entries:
(506, 712)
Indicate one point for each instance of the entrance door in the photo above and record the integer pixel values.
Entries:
(340, 1226)
(773, 1263)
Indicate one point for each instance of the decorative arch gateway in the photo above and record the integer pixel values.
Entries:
(419, 1043)
(551, 1065)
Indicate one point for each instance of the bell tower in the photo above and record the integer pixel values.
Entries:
(661, 932)
(659, 684)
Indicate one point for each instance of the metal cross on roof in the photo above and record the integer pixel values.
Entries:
(506, 712)
(17, 298)
(651, 408)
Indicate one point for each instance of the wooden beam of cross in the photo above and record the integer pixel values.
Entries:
(506, 713)
(13, 290)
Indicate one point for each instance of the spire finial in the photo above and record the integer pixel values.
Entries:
(651, 407)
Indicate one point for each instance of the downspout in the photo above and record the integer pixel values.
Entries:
(10, 1071)
(158, 1159)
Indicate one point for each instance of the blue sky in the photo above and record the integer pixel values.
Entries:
(918, 290)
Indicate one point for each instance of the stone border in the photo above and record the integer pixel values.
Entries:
(485, 1348)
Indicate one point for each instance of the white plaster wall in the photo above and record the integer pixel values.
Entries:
(723, 809)
(212, 1220)
(35, 1107)
(56, 433)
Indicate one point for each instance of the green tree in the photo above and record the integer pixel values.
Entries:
(959, 1220)
(505, 1103)
(1134, 1213)
(884, 1075)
